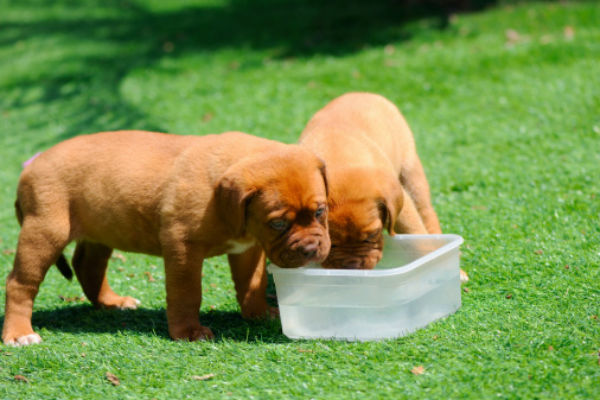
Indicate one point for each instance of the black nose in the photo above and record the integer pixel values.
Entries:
(351, 263)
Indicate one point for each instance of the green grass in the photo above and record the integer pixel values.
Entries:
(507, 126)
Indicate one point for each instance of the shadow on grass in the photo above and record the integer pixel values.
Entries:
(77, 57)
(87, 319)
(298, 27)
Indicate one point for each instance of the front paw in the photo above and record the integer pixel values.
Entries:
(261, 311)
(24, 340)
(463, 276)
(191, 333)
(273, 313)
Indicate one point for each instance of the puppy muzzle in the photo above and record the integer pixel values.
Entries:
(351, 259)
(301, 252)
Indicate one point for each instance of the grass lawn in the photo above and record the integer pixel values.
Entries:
(505, 106)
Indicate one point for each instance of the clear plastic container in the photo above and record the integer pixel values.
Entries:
(416, 282)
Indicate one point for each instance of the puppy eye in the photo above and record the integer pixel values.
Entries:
(320, 211)
(279, 224)
(372, 237)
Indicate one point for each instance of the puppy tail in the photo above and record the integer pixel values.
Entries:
(18, 212)
(61, 263)
(64, 267)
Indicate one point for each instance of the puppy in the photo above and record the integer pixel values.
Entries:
(376, 180)
(184, 198)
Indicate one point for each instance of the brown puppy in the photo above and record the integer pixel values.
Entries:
(184, 198)
(376, 180)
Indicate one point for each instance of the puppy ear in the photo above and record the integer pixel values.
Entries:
(323, 171)
(390, 203)
(232, 197)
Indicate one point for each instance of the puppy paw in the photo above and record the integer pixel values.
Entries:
(463, 276)
(192, 334)
(25, 340)
(121, 303)
(267, 312)
(129, 303)
(273, 313)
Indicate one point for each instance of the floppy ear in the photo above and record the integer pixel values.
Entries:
(390, 202)
(232, 196)
(323, 171)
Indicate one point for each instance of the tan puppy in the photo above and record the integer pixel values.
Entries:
(376, 180)
(184, 198)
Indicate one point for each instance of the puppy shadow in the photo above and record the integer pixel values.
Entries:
(226, 325)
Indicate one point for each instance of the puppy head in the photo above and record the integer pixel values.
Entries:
(363, 203)
(280, 199)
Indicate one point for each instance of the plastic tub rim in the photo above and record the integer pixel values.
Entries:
(456, 241)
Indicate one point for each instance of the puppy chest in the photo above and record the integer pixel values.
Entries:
(239, 246)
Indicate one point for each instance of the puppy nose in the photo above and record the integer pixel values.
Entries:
(310, 250)
(352, 263)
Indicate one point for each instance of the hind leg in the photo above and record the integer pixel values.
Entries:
(409, 220)
(414, 181)
(90, 262)
(40, 244)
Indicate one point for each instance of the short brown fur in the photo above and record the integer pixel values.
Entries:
(375, 177)
(185, 198)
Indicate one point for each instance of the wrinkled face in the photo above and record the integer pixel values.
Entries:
(278, 198)
(356, 231)
(289, 218)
